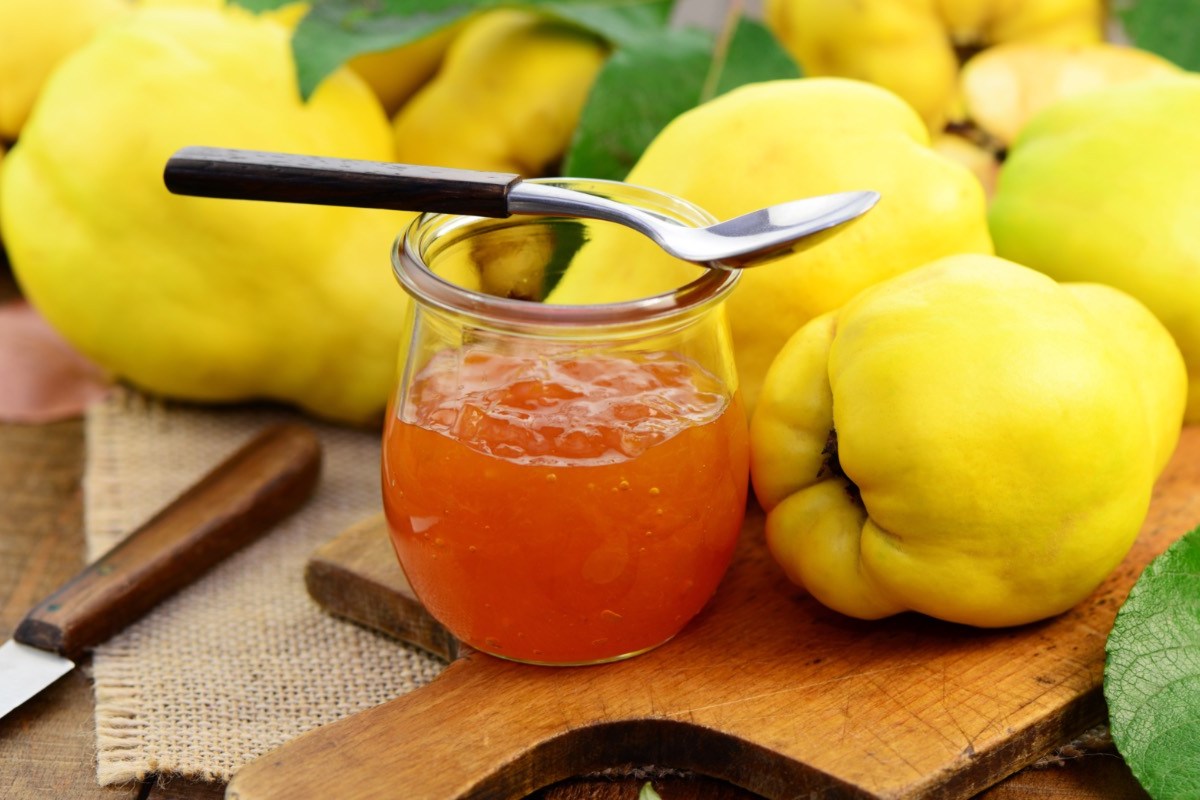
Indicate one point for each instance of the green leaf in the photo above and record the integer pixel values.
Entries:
(259, 6)
(570, 236)
(648, 793)
(1170, 28)
(619, 22)
(1152, 674)
(647, 83)
(335, 31)
(638, 91)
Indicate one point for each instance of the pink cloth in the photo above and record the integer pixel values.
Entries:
(42, 378)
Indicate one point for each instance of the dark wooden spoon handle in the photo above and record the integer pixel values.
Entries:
(317, 180)
(230, 507)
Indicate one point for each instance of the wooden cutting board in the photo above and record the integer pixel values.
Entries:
(765, 689)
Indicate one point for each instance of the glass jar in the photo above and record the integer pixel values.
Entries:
(563, 484)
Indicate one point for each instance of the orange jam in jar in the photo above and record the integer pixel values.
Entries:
(563, 484)
(565, 511)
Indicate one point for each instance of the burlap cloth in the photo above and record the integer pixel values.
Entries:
(243, 660)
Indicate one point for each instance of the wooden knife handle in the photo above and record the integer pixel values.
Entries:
(233, 505)
(282, 177)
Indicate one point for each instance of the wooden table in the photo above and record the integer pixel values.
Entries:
(47, 745)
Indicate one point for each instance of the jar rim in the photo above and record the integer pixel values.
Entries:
(414, 274)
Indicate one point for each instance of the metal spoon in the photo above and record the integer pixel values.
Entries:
(739, 242)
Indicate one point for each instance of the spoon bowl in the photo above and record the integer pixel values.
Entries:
(747, 240)
(743, 241)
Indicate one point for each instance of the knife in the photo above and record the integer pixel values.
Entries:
(243, 497)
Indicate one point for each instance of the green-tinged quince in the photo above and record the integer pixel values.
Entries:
(195, 298)
(507, 97)
(776, 141)
(969, 440)
(916, 49)
(1105, 187)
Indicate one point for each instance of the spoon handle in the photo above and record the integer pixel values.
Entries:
(254, 175)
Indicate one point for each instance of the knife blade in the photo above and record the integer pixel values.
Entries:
(243, 497)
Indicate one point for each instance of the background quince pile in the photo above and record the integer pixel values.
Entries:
(989, 369)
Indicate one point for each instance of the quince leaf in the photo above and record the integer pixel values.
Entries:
(259, 6)
(646, 84)
(648, 793)
(1170, 28)
(618, 23)
(640, 88)
(570, 237)
(1152, 674)
(335, 31)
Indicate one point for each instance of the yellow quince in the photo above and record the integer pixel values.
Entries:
(1004, 87)
(969, 440)
(396, 74)
(35, 36)
(915, 49)
(776, 141)
(203, 299)
(506, 99)
(980, 159)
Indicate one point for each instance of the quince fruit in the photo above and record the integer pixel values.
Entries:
(977, 157)
(969, 440)
(506, 99)
(35, 36)
(288, 14)
(397, 73)
(195, 298)
(916, 49)
(1104, 188)
(776, 141)
(1006, 86)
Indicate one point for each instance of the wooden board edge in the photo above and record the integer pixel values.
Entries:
(372, 604)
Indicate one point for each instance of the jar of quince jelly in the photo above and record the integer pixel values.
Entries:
(563, 484)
